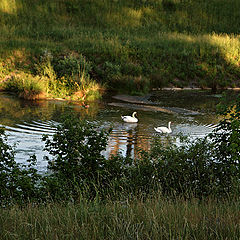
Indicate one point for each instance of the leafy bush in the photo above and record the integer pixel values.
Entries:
(109, 71)
(168, 5)
(77, 158)
(68, 77)
(131, 69)
(189, 170)
(18, 183)
(226, 141)
(205, 167)
(71, 65)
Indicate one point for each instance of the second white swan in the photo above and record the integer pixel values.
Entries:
(164, 129)
(130, 119)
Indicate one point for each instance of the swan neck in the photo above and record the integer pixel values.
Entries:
(169, 127)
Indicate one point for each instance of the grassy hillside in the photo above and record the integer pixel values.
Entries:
(126, 45)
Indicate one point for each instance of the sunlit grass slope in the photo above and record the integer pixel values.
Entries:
(130, 45)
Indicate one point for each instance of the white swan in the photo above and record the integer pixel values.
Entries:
(130, 119)
(164, 129)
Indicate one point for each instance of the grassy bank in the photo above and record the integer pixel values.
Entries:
(152, 218)
(130, 46)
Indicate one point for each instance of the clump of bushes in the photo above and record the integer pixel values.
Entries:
(18, 183)
(55, 76)
(69, 76)
(72, 65)
(77, 161)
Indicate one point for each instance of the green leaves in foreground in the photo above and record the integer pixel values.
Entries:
(18, 183)
(77, 157)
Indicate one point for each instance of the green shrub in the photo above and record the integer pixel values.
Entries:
(226, 140)
(69, 66)
(18, 183)
(68, 77)
(169, 5)
(110, 71)
(77, 158)
(131, 69)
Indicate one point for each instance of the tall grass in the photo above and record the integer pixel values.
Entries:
(170, 15)
(152, 218)
(26, 86)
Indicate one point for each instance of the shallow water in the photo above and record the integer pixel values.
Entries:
(25, 122)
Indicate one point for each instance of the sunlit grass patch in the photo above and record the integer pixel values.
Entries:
(8, 6)
(32, 87)
(90, 92)
(25, 85)
(229, 45)
(126, 17)
(86, 89)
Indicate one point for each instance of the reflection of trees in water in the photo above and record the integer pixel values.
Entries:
(115, 149)
(133, 141)
(13, 109)
(84, 111)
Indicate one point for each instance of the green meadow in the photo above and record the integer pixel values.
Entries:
(80, 48)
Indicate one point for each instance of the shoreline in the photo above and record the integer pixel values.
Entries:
(189, 89)
(130, 98)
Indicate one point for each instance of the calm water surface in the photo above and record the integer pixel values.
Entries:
(25, 121)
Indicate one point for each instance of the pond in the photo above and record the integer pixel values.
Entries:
(191, 113)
